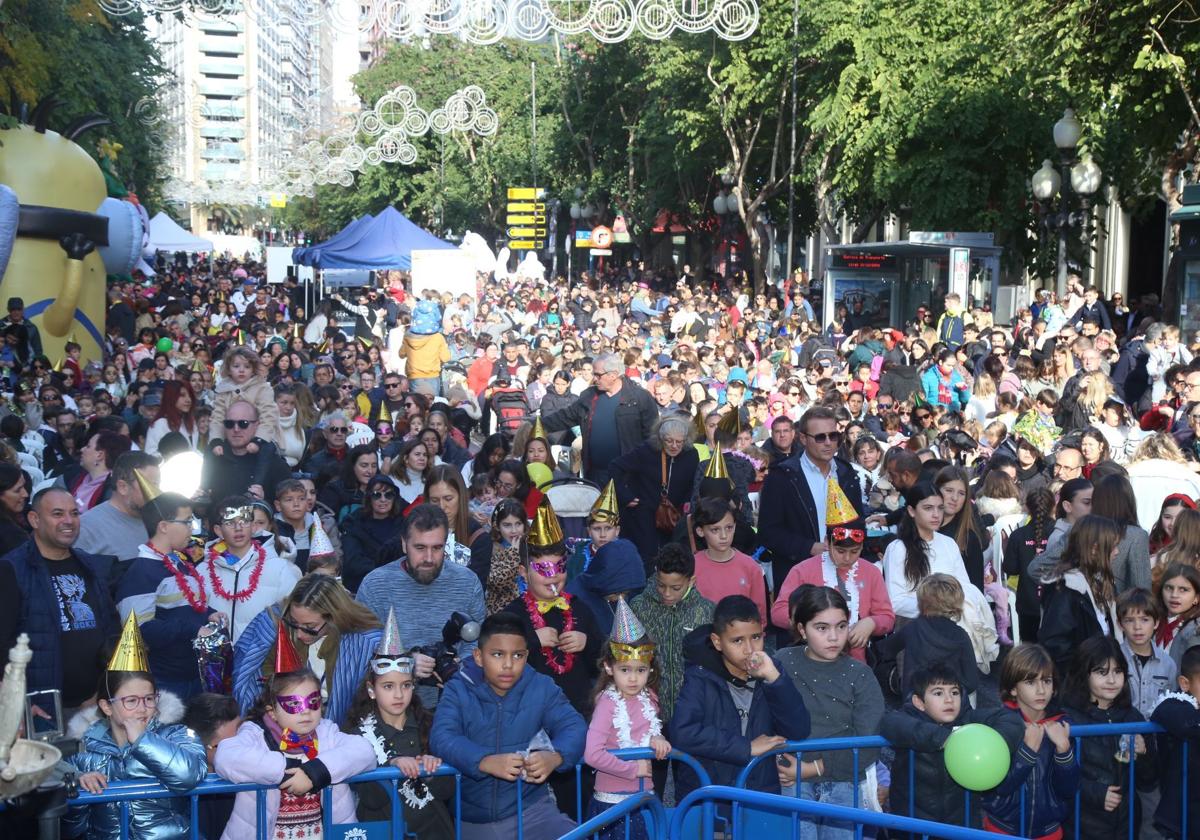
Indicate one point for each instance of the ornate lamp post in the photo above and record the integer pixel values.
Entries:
(725, 205)
(1065, 200)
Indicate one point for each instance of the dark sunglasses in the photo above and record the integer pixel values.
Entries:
(383, 494)
(391, 384)
(826, 437)
(238, 424)
(338, 430)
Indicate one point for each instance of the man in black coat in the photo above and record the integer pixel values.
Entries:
(614, 416)
(247, 465)
(791, 517)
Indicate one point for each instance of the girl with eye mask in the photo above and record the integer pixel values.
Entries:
(287, 743)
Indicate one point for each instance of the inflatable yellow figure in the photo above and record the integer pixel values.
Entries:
(55, 225)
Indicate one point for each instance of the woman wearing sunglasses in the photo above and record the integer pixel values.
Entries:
(369, 529)
(332, 633)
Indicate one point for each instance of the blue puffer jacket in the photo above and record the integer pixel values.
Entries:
(257, 643)
(1048, 780)
(473, 722)
(166, 753)
(956, 389)
(706, 723)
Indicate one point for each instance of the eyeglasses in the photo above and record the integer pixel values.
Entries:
(383, 494)
(304, 628)
(826, 437)
(506, 485)
(338, 430)
(390, 385)
(239, 424)
(132, 702)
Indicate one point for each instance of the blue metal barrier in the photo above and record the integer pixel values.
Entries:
(802, 807)
(1078, 733)
(626, 811)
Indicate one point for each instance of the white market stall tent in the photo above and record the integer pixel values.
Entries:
(166, 235)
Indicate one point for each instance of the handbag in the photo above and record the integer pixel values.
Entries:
(666, 515)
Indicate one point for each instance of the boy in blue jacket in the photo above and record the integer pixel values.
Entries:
(1043, 765)
(733, 705)
(1179, 714)
(488, 715)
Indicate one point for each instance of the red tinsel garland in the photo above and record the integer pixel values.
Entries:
(245, 594)
(535, 617)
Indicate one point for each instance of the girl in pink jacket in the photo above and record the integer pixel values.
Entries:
(625, 715)
(286, 743)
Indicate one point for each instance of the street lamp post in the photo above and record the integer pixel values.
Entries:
(1065, 199)
(725, 205)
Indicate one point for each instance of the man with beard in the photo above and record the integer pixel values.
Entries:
(425, 591)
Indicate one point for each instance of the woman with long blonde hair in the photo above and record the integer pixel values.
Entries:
(334, 634)
(1096, 388)
(1184, 546)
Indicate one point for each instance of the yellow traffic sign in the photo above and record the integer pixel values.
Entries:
(526, 220)
(525, 193)
(522, 245)
(526, 207)
(525, 233)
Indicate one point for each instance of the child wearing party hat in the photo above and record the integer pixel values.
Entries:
(840, 567)
(129, 741)
(626, 715)
(603, 526)
(388, 713)
(286, 744)
(563, 635)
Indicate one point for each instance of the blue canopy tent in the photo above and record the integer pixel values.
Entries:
(387, 241)
(304, 256)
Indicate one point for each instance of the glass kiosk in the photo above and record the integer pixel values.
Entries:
(881, 284)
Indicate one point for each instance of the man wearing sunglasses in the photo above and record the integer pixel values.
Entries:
(791, 519)
(247, 464)
(335, 428)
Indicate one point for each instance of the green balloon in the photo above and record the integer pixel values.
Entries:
(977, 757)
(165, 345)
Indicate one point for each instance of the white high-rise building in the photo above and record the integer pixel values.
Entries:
(247, 88)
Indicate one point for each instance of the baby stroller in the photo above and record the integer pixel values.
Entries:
(510, 407)
(572, 499)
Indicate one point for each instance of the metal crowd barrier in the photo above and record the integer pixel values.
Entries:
(648, 804)
(1078, 733)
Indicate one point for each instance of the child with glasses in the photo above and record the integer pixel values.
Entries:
(129, 741)
(243, 378)
(287, 744)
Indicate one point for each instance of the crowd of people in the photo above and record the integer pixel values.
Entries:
(880, 525)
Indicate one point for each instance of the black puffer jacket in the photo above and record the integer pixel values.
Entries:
(1099, 769)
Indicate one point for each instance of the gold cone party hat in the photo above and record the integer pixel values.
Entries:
(627, 631)
(149, 491)
(545, 530)
(716, 466)
(130, 654)
(198, 366)
(539, 431)
(385, 416)
(838, 509)
(295, 330)
(58, 366)
(731, 422)
(605, 509)
(324, 347)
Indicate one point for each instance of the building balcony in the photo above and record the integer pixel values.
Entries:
(230, 109)
(226, 90)
(222, 68)
(222, 171)
(223, 152)
(221, 46)
(219, 26)
(218, 131)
